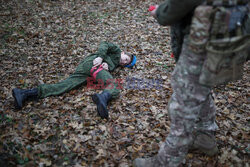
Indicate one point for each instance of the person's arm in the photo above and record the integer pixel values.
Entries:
(98, 61)
(110, 53)
(110, 63)
(172, 11)
(105, 66)
(106, 48)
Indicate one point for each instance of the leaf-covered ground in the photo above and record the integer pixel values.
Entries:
(43, 42)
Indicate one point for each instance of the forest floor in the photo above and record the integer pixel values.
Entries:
(44, 41)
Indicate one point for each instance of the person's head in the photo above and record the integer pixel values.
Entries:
(127, 60)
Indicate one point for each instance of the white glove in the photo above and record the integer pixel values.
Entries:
(97, 61)
(105, 66)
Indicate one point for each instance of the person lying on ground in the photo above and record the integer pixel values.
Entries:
(95, 67)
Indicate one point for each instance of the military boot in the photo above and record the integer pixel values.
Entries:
(147, 162)
(101, 100)
(205, 142)
(22, 95)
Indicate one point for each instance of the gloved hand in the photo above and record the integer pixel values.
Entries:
(152, 10)
(105, 66)
(97, 61)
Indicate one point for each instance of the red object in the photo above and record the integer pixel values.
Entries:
(94, 74)
(151, 8)
(172, 55)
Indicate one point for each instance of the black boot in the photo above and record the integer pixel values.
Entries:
(101, 100)
(22, 95)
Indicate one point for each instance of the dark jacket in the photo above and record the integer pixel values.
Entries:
(177, 14)
(173, 11)
(177, 33)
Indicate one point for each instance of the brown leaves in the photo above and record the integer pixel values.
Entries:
(43, 42)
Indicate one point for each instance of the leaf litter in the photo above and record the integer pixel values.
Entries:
(43, 42)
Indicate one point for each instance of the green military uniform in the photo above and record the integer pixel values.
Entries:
(110, 53)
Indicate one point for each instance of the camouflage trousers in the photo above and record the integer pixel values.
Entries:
(191, 108)
(78, 78)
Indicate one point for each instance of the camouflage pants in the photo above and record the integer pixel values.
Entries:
(79, 78)
(191, 108)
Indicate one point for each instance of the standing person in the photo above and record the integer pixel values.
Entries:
(191, 108)
(96, 66)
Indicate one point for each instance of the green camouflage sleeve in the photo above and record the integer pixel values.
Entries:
(107, 48)
(110, 63)
(110, 53)
(172, 11)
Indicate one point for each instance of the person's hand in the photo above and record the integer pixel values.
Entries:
(97, 61)
(105, 66)
(152, 10)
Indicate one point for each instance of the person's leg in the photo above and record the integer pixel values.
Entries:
(110, 84)
(188, 99)
(22, 95)
(73, 81)
(111, 91)
(76, 79)
(206, 117)
(205, 127)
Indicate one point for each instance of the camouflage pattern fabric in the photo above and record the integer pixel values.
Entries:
(79, 78)
(222, 41)
(226, 2)
(200, 27)
(191, 108)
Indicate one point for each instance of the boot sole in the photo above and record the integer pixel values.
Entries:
(100, 107)
(16, 99)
